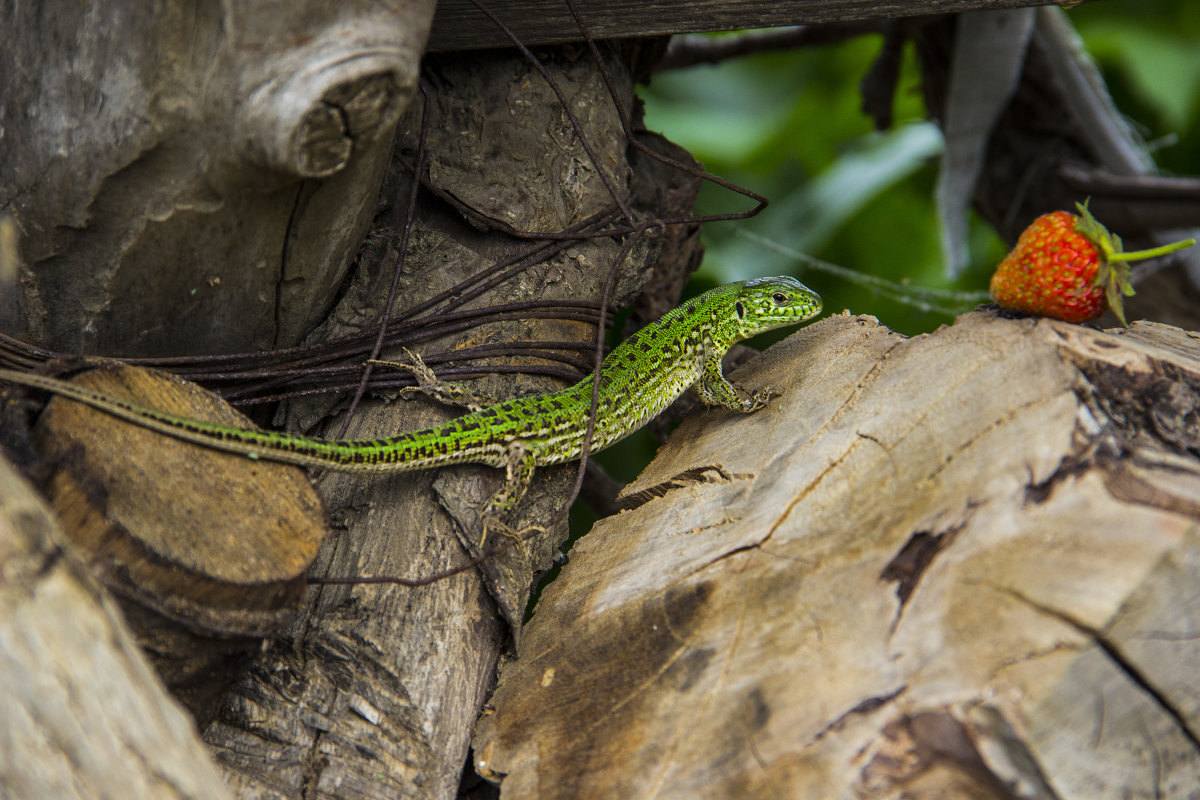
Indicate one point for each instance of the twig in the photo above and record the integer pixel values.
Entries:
(693, 49)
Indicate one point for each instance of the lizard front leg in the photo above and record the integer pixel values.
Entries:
(714, 389)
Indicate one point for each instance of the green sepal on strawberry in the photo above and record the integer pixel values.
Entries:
(1069, 267)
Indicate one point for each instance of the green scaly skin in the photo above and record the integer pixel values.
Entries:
(638, 380)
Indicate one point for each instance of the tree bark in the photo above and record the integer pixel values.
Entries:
(374, 690)
(958, 565)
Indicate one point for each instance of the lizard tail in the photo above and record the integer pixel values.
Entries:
(394, 454)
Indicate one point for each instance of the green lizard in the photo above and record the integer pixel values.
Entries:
(638, 379)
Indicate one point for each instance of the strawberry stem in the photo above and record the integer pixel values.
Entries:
(1154, 252)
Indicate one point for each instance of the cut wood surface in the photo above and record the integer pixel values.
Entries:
(84, 715)
(214, 539)
(460, 25)
(207, 551)
(957, 565)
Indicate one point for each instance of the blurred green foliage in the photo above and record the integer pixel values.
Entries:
(789, 126)
(1149, 51)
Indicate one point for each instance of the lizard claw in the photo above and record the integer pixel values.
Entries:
(761, 397)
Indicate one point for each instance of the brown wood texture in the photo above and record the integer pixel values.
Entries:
(370, 680)
(373, 692)
(208, 551)
(84, 714)
(959, 566)
(459, 25)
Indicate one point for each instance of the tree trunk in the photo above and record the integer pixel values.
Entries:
(374, 690)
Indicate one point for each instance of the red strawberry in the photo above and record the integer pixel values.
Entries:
(1069, 267)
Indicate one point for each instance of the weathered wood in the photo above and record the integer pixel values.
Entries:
(84, 715)
(193, 178)
(959, 565)
(207, 551)
(459, 25)
(375, 689)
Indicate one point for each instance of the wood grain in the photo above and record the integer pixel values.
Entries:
(934, 567)
(459, 25)
(84, 714)
(208, 551)
(377, 688)
(213, 204)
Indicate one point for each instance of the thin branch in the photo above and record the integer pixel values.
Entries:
(693, 49)
(919, 297)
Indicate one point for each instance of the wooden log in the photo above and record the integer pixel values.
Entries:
(959, 565)
(207, 551)
(459, 25)
(84, 714)
(190, 178)
(373, 692)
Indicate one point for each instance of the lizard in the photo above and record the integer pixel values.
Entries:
(643, 375)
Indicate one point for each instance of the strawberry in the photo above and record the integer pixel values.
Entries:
(1069, 267)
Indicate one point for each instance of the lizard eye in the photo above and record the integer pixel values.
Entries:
(740, 309)
(780, 298)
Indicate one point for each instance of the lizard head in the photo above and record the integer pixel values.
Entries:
(762, 304)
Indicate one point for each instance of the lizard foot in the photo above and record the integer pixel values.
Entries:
(429, 384)
(502, 528)
(760, 398)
